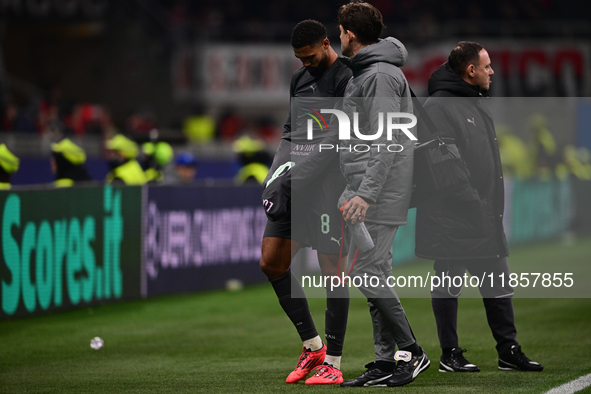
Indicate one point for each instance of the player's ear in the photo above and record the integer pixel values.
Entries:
(470, 70)
(325, 43)
(352, 36)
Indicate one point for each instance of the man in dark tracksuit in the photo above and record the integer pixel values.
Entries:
(465, 231)
(379, 184)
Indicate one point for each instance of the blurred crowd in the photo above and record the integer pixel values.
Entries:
(202, 128)
(252, 139)
(236, 20)
(132, 148)
(56, 118)
(235, 11)
(131, 163)
(540, 157)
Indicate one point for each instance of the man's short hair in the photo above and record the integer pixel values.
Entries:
(363, 19)
(464, 54)
(308, 32)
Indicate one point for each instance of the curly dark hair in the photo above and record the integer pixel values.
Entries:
(308, 32)
(464, 54)
(363, 19)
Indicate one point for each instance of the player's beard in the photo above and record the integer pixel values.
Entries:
(319, 69)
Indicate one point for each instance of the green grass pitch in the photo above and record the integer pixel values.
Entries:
(241, 342)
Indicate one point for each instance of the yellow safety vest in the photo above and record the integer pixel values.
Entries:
(63, 182)
(256, 170)
(153, 174)
(130, 173)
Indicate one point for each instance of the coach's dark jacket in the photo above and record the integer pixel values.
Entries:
(468, 224)
(382, 178)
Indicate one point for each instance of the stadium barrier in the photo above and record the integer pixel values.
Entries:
(534, 211)
(199, 238)
(68, 248)
(74, 247)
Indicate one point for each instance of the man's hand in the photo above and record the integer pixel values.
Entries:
(354, 209)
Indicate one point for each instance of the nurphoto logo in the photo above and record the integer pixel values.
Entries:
(345, 129)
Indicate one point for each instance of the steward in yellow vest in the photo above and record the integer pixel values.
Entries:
(156, 156)
(254, 158)
(67, 162)
(8, 165)
(125, 169)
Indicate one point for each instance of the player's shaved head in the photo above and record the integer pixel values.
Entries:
(308, 32)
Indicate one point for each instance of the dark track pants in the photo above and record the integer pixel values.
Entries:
(497, 301)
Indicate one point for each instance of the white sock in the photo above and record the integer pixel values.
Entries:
(314, 343)
(335, 361)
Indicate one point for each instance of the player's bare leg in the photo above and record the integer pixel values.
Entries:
(277, 254)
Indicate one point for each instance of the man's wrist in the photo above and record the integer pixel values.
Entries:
(366, 199)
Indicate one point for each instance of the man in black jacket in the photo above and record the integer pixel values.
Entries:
(465, 231)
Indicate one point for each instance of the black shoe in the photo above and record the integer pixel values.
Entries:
(374, 377)
(408, 368)
(515, 360)
(456, 362)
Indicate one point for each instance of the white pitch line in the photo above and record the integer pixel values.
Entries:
(573, 386)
